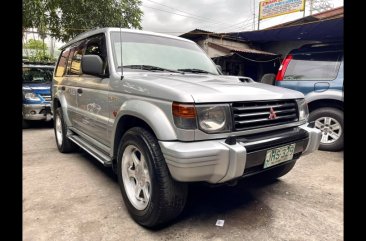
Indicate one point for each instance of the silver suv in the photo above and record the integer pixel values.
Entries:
(157, 110)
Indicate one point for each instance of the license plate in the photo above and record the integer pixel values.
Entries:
(278, 155)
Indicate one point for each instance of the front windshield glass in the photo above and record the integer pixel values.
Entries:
(37, 75)
(162, 52)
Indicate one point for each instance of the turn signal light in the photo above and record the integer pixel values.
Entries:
(183, 110)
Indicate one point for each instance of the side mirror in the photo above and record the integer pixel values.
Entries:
(92, 64)
(218, 67)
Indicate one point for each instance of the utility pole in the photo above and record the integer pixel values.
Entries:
(311, 7)
(52, 47)
(253, 14)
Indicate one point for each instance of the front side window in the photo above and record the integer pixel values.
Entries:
(314, 66)
(75, 60)
(34, 75)
(161, 52)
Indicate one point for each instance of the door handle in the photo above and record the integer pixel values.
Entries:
(63, 88)
(80, 91)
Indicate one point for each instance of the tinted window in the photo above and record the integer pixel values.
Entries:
(96, 46)
(61, 65)
(75, 65)
(37, 75)
(313, 66)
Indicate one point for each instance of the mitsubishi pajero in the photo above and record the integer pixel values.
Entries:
(157, 110)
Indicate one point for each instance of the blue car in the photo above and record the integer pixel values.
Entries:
(36, 93)
(316, 70)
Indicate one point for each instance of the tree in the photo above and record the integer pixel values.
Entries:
(39, 50)
(64, 19)
(35, 44)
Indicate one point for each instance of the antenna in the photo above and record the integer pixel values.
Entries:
(120, 37)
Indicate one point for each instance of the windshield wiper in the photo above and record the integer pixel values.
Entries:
(150, 68)
(195, 71)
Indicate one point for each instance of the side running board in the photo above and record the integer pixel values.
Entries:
(100, 156)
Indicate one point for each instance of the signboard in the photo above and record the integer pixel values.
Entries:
(273, 8)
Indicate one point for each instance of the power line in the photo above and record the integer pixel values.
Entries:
(210, 19)
(162, 10)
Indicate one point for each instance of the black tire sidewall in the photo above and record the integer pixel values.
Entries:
(138, 140)
(335, 114)
(66, 145)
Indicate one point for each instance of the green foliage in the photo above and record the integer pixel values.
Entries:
(64, 19)
(40, 56)
(35, 44)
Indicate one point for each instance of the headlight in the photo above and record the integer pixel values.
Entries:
(303, 109)
(31, 96)
(214, 119)
(208, 118)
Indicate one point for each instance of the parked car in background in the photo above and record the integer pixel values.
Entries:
(317, 71)
(37, 79)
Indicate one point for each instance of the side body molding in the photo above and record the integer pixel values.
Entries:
(329, 94)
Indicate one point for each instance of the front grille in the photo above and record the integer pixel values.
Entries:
(46, 97)
(250, 115)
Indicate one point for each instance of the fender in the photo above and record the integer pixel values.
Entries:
(329, 94)
(58, 94)
(149, 113)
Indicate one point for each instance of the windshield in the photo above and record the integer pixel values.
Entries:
(37, 75)
(162, 52)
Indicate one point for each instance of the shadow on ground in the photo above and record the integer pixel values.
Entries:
(39, 124)
(238, 204)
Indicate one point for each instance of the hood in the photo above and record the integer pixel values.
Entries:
(38, 88)
(207, 88)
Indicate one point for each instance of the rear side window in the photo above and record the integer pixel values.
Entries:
(314, 66)
(61, 65)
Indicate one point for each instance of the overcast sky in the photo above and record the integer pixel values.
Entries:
(210, 15)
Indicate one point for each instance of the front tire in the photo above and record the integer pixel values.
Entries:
(150, 194)
(64, 144)
(330, 122)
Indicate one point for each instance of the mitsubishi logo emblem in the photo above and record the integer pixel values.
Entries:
(272, 114)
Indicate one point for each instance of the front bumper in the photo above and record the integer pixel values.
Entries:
(214, 161)
(37, 112)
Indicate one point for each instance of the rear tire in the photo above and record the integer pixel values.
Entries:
(330, 122)
(150, 194)
(63, 143)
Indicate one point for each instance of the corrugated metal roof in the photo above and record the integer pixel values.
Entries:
(197, 34)
(321, 30)
(229, 48)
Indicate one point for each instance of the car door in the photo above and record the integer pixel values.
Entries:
(92, 92)
(65, 86)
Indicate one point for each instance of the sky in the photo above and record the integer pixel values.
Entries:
(178, 17)
(175, 17)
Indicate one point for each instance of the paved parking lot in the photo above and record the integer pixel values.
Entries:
(73, 197)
